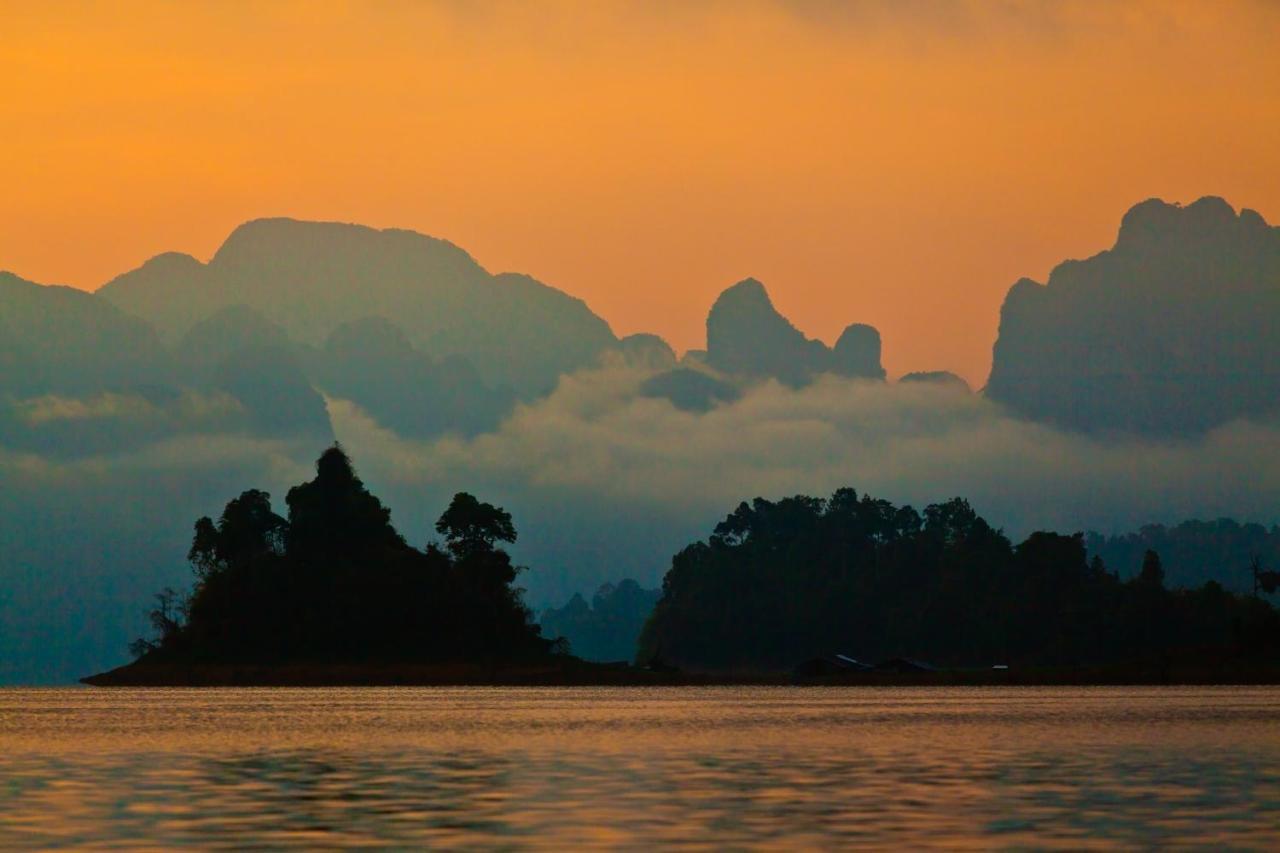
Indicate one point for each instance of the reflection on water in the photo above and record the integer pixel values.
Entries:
(631, 767)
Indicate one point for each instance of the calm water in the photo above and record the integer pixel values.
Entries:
(774, 767)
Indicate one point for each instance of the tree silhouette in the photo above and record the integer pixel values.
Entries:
(1267, 581)
(246, 529)
(779, 582)
(336, 581)
(1152, 574)
(471, 527)
(335, 513)
(1193, 552)
(166, 620)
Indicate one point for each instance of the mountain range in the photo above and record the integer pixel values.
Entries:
(1170, 332)
(409, 327)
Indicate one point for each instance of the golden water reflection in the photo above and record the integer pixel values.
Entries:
(633, 767)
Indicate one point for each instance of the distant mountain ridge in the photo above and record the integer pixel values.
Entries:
(312, 277)
(749, 341)
(59, 340)
(746, 335)
(407, 326)
(1170, 332)
(415, 331)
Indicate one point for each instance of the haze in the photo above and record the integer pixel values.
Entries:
(894, 165)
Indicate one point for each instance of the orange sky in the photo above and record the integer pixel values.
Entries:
(897, 164)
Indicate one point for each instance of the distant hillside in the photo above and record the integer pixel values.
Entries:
(312, 277)
(59, 340)
(1193, 552)
(606, 629)
(79, 375)
(1171, 331)
(372, 363)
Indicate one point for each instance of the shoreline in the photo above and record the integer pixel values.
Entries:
(589, 674)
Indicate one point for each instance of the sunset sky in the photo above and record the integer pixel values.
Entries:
(898, 164)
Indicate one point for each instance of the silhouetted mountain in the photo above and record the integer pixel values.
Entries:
(746, 336)
(58, 340)
(229, 331)
(173, 291)
(690, 389)
(277, 397)
(85, 377)
(372, 363)
(241, 353)
(1171, 331)
(937, 377)
(606, 629)
(311, 277)
(645, 350)
(694, 358)
(857, 353)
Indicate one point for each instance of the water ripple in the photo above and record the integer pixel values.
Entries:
(634, 768)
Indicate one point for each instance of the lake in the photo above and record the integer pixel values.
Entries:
(636, 767)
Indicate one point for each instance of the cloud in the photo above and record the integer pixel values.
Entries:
(111, 423)
(86, 540)
(188, 408)
(915, 443)
(42, 410)
(603, 484)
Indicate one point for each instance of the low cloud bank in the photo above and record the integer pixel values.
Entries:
(915, 443)
(603, 482)
(85, 542)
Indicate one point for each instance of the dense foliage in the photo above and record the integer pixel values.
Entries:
(779, 582)
(606, 629)
(1195, 551)
(335, 581)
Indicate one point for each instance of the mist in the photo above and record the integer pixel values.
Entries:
(603, 483)
(607, 484)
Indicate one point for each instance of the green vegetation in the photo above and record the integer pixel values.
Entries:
(780, 582)
(335, 582)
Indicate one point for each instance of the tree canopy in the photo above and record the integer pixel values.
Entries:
(471, 527)
(778, 582)
(1193, 552)
(335, 581)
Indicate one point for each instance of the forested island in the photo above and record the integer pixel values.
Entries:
(332, 593)
(853, 579)
(799, 589)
